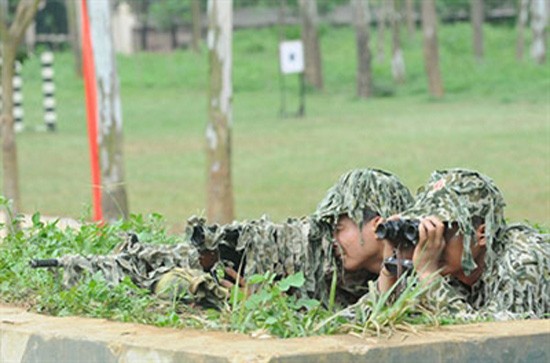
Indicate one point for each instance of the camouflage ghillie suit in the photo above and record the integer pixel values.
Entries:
(356, 191)
(306, 244)
(514, 282)
(146, 264)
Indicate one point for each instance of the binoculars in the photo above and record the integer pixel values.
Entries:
(400, 232)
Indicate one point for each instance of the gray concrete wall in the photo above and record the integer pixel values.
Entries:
(33, 338)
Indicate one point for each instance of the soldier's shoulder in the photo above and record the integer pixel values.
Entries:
(525, 246)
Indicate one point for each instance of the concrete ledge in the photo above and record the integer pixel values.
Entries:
(29, 338)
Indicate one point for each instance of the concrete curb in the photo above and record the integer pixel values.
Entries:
(29, 338)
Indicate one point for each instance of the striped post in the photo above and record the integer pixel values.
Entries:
(18, 112)
(48, 90)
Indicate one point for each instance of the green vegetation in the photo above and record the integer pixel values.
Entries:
(494, 118)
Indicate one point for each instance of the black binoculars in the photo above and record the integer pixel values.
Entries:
(400, 232)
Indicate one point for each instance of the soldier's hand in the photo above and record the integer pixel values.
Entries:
(236, 277)
(428, 252)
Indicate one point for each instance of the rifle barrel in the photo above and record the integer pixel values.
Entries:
(50, 262)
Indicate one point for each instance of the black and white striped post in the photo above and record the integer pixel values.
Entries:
(48, 90)
(17, 97)
(18, 112)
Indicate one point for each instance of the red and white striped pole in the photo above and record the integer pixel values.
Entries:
(88, 71)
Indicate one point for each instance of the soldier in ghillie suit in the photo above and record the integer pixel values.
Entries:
(359, 200)
(353, 208)
(347, 215)
(489, 269)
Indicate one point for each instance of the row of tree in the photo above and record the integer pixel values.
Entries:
(220, 208)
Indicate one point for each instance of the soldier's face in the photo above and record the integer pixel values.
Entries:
(355, 254)
(451, 260)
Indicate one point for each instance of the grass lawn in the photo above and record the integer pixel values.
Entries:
(495, 118)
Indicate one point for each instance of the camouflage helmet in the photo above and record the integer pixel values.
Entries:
(358, 189)
(459, 195)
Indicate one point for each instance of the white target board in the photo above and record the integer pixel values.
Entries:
(291, 55)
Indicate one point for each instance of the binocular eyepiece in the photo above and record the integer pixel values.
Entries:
(399, 232)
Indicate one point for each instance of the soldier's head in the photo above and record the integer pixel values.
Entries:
(354, 206)
(473, 208)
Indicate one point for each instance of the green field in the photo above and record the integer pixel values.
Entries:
(495, 118)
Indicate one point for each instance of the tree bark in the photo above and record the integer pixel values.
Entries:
(476, 18)
(397, 61)
(523, 17)
(411, 24)
(364, 70)
(114, 202)
(74, 34)
(197, 25)
(220, 206)
(431, 52)
(11, 36)
(312, 47)
(539, 19)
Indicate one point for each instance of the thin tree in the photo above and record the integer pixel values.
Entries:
(220, 208)
(114, 201)
(431, 51)
(476, 17)
(11, 35)
(410, 17)
(197, 25)
(364, 70)
(539, 20)
(312, 47)
(73, 16)
(397, 60)
(521, 25)
(381, 24)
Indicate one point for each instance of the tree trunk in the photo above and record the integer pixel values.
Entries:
(381, 25)
(522, 24)
(11, 37)
(411, 24)
(173, 35)
(431, 53)
(364, 71)
(476, 17)
(144, 30)
(9, 147)
(397, 61)
(74, 34)
(220, 207)
(114, 202)
(539, 19)
(197, 25)
(310, 39)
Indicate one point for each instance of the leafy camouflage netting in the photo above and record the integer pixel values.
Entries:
(458, 195)
(358, 189)
(145, 264)
(516, 285)
(514, 282)
(282, 248)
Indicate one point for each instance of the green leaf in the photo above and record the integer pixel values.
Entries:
(271, 320)
(308, 303)
(256, 279)
(36, 219)
(295, 280)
